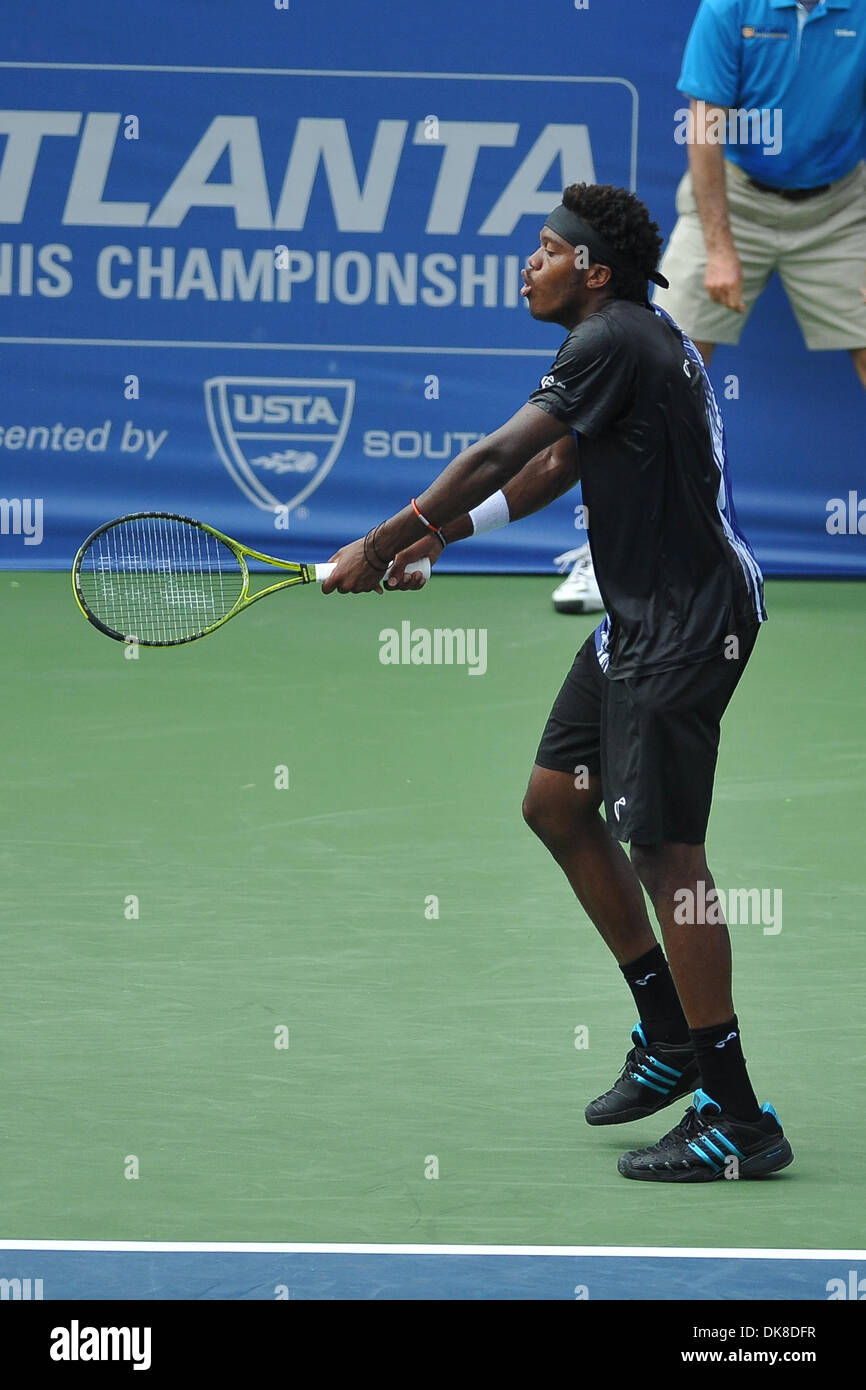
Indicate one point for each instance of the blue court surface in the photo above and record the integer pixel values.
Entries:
(187, 1271)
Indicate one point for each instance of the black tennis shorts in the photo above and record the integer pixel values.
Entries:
(653, 739)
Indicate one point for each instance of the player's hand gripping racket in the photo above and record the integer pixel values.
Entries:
(160, 579)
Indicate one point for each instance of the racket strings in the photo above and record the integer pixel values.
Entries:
(159, 579)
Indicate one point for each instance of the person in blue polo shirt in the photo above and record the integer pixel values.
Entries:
(776, 135)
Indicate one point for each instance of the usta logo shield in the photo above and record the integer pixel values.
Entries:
(278, 437)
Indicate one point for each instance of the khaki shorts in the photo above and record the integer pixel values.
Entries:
(818, 247)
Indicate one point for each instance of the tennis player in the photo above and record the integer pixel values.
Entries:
(627, 407)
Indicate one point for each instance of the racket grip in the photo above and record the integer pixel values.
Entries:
(324, 571)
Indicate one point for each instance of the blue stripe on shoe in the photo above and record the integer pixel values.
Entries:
(716, 1167)
(662, 1066)
(657, 1076)
(662, 1090)
(710, 1145)
(723, 1139)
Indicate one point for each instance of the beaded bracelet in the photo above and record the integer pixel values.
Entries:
(434, 530)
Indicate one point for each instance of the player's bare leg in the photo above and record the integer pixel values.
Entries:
(725, 1133)
(699, 953)
(566, 819)
(661, 1067)
(858, 356)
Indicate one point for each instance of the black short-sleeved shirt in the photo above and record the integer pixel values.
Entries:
(676, 574)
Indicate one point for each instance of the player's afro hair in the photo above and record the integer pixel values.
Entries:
(623, 221)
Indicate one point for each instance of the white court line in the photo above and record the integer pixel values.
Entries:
(280, 347)
(583, 1251)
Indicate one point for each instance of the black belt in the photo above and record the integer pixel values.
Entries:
(793, 195)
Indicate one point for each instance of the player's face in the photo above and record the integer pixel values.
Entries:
(551, 285)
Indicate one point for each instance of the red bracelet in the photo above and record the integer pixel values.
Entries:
(434, 530)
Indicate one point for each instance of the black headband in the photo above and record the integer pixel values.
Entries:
(576, 232)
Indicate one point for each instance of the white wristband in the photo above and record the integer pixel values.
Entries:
(490, 514)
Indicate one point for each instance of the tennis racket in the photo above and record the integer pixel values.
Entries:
(161, 580)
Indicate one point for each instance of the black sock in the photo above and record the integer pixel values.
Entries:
(723, 1069)
(655, 995)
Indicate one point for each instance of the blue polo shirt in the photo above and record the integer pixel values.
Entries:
(769, 55)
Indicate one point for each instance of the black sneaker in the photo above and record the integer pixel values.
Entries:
(653, 1076)
(706, 1145)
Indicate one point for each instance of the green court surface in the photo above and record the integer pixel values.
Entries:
(308, 908)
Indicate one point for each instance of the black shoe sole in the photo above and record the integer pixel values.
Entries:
(758, 1165)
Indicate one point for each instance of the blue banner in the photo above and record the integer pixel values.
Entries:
(260, 269)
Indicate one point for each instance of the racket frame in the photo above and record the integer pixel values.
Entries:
(300, 574)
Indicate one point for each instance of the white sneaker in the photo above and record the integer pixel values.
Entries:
(579, 592)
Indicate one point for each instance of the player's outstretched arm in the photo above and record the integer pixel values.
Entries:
(545, 477)
(473, 476)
